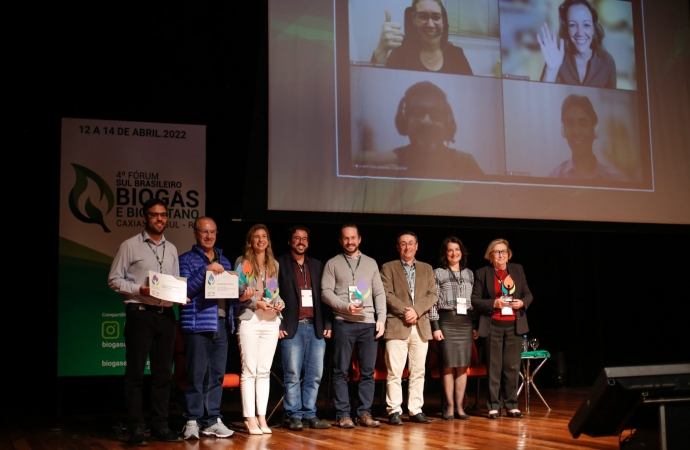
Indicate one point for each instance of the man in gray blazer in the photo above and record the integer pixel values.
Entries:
(410, 291)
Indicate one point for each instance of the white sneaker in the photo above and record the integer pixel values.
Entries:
(217, 430)
(191, 431)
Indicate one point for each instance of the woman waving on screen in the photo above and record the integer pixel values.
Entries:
(576, 55)
(425, 47)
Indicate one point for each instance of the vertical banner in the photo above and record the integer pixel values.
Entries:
(108, 170)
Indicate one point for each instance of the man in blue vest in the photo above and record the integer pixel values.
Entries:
(205, 324)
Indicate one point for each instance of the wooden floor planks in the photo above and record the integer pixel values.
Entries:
(540, 429)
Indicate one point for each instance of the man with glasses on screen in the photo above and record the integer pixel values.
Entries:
(150, 325)
(579, 128)
(426, 118)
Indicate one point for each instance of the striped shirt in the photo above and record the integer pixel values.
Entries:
(411, 275)
(449, 288)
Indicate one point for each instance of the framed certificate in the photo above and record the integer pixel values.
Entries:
(222, 285)
(168, 287)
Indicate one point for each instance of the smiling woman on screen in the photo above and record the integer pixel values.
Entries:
(425, 47)
(577, 54)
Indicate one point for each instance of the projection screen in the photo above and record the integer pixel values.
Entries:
(481, 108)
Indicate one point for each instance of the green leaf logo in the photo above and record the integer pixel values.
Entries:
(92, 214)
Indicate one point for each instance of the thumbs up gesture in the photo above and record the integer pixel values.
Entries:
(391, 37)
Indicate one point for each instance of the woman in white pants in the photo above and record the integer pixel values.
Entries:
(258, 328)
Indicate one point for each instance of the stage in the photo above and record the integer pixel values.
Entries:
(539, 429)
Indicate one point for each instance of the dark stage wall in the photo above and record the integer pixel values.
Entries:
(605, 294)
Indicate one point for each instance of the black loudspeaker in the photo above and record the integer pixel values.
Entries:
(653, 401)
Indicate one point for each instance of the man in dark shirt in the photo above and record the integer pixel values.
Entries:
(306, 322)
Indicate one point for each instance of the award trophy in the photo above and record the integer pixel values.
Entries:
(271, 291)
(359, 293)
(508, 289)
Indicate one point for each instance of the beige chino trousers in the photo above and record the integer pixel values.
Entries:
(397, 352)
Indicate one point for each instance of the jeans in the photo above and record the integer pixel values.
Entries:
(302, 352)
(151, 334)
(345, 336)
(205, 355)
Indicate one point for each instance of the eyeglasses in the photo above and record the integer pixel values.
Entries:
(418, 113)
(154, 215)
(300, 239)
(423, 17)
(207, 232)
(500, 252)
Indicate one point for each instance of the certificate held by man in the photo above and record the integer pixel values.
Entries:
(168, 287)
(222, 285)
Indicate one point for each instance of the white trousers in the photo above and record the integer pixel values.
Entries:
(258, 338)
(397, 352)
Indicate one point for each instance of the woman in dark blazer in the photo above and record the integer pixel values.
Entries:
(500, 297)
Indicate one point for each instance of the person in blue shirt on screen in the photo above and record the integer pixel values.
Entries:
(578, 127)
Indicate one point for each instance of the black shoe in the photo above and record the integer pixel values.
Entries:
(137, 437)
(419, 418)
(461, 416)
(492, 415)
(165, 435)
(514, 415)
(394, 419)
(314, 422)
(294, 424)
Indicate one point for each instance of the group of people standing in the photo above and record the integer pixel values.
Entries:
(347, 299)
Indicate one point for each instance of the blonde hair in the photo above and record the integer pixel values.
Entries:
(493, 244)
(251, 257)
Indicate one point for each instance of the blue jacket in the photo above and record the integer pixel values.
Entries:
(201, 314)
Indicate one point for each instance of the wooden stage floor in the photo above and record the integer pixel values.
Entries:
(540, 429)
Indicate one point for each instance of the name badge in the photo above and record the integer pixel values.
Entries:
(461, 305)
(307, 301)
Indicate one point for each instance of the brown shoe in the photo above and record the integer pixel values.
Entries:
(365, 420)
(346, 422)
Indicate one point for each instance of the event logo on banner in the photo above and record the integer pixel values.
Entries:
(108, 170)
